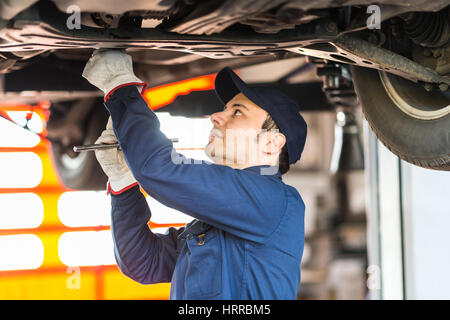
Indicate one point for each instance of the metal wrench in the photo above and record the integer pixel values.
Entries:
(93, 147)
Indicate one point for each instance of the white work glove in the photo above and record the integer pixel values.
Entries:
(113, 162)
(109, 69)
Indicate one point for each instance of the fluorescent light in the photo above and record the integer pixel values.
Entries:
(86, 248)
(18, 252)
(12, 135)
(20, 170)
(21, 210)
(84, 208)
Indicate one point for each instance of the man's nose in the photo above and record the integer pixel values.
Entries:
(218, 119)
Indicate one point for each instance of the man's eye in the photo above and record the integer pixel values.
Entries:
(237, 112)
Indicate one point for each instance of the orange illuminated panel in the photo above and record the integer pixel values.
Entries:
(119, 287)
(163, 95)
(51, 229)
(48, 284)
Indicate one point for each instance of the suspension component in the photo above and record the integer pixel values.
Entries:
(337, 85)
(428, 29)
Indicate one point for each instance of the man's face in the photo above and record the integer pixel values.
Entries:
(234, 137)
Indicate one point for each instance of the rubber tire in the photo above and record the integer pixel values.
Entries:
(425, 143)
(88, 175)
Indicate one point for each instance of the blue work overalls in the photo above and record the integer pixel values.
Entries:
(246, 239)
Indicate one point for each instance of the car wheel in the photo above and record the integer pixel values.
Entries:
(411, 122)
(81, 171)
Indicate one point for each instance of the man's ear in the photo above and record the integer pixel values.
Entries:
(272, 142)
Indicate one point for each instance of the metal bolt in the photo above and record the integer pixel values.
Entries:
(443, 87)
(443, 60)
(436, 53)
(330, 26)
(331, 82)
(428, 86)
(427, 52)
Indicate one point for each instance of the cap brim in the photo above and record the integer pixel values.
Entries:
(228, 85)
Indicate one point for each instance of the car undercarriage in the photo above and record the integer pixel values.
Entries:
(402, 50)
(234, 29)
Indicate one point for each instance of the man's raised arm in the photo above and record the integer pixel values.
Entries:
(140, 254)
(235, 201)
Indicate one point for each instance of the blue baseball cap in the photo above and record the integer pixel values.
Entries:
(283, 110)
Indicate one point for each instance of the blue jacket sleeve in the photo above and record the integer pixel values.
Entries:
(243, 203)
(142, 255)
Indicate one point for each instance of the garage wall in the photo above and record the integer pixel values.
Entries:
(426, 205)
(408, 212)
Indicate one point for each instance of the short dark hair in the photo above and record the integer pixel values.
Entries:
(283, 159)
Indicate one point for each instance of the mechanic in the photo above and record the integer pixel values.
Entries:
(246, 239)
